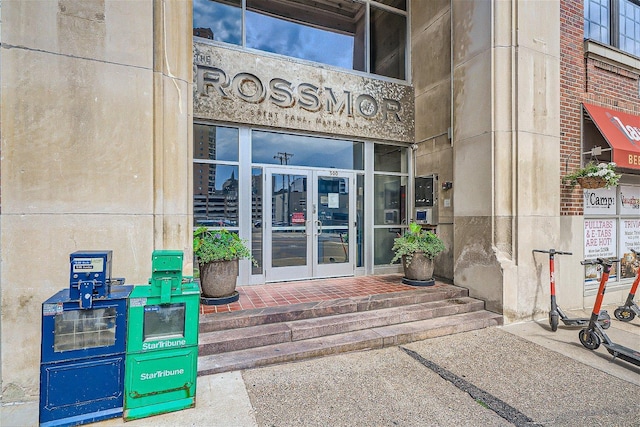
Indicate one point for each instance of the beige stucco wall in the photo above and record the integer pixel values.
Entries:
(96, 130)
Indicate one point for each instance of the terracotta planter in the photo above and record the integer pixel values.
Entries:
(421, 267)
(218, 278)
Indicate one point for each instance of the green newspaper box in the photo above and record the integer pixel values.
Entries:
(162, 341)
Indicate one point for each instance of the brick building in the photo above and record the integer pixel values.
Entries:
(600, 79)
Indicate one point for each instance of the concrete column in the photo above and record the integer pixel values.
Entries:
(506, 148)
(96, 137)
(173, 130)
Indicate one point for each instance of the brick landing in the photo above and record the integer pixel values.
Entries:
(286, 293)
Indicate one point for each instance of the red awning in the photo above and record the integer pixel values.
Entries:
(622, 132)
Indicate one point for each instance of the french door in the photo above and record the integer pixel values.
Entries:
(309, 223)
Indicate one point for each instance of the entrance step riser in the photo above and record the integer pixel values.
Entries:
(239, 339)
(397, 316)
(232, 340)
(381, 301)
(352, 341)
(255, 317)
(418, 334)
(247, 318)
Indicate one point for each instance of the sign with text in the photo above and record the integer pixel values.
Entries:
(629, 200)
(239, 86)
(622, 132)
(600, 201)
(629, 239)
(599, 238)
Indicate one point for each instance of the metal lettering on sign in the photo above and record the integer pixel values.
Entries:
(243, 87)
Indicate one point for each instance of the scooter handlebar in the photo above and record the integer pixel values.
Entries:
(552, 251)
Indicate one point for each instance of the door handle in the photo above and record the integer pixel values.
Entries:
(319, 224)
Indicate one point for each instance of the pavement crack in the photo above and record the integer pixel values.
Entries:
(485, 399)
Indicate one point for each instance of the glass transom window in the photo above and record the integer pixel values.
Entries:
(361, 35)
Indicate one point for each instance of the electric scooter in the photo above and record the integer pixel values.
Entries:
(556, 312)
(630, 309)
(593, 335)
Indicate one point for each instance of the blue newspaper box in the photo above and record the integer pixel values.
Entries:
(83, 345)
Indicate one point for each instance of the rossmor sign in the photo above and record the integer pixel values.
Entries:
(232, 85)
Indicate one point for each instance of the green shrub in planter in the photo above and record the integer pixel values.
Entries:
(414, 240)
(219, 245)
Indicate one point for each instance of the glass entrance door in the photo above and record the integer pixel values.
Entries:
(308, 217)
(334, 223)
(288, 246)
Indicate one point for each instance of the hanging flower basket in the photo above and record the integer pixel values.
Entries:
(592, 182)
(602, 175)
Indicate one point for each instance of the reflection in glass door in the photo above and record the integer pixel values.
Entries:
(333, 222)
(309, 217)
(287, 242)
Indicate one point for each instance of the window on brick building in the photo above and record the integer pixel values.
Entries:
(361, 35)
(614, 22)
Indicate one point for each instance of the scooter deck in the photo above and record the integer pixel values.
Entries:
(575, 322)
(624, 353)
(603, 319)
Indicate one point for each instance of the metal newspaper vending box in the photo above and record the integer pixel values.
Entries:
(83, 345)
(162, 341)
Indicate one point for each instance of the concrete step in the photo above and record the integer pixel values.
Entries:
(370, 338)
(293, 312)
(274, 333)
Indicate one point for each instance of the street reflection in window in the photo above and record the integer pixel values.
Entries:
(298, 150)
(215, 142)
(215, 195)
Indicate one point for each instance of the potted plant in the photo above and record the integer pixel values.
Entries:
(217, 253)
(417, 248)
(594, 176)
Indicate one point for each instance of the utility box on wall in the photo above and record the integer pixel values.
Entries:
(425, 209)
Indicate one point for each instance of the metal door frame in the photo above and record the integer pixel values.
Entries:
(313, 228)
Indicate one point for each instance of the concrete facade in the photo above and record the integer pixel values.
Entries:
(96, 130)
(97, 122)
(486, 79)
(506, 131)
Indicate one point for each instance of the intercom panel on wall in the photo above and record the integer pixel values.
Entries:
(425, 200)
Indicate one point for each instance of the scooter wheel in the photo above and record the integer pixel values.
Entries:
(553, 321)
(624, 314)
(589, 339)
(604, 319)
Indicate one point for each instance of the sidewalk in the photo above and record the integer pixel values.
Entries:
(521, 374)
